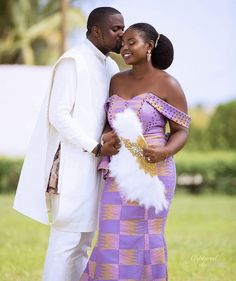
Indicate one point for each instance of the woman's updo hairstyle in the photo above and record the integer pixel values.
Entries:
(163, 51)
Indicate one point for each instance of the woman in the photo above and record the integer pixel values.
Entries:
(131, 244)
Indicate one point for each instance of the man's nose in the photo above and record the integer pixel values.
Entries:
(121, 32)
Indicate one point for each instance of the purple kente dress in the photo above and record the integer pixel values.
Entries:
(131, 244)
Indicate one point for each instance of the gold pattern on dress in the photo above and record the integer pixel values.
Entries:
(108, 272)
(179, 117)
(136, 149)
(163, 169)
(117, 106)
(109, 241)
(111, 212)
(92, 267)
(131, 203)
(113, 187)
(155, 226)
(159, 107)
(147, 270)
(154, 137)
(130, 227)
(158, 256)
(128, 257)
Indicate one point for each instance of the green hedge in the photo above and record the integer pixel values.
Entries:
(222, 127)
(213, 130)
(215, 170)
(9, 173)
(197, 172)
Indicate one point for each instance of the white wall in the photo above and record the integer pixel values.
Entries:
(22, 89)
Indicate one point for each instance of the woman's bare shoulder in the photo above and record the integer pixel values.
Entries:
(117, 81)
(174, 93)
(120, 75)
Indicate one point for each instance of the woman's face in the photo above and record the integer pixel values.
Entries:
(134, 49)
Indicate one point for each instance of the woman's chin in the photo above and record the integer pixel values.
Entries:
(128, 61)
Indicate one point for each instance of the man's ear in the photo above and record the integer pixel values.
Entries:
(96, 31)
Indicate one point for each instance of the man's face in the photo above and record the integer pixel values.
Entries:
(111, 34)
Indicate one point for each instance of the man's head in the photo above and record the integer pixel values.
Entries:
(105, 28)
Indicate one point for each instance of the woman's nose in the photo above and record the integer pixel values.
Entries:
(124, 46)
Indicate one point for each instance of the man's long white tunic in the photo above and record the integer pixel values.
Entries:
(73, 115)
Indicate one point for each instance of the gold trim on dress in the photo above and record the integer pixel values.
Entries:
(136, 149)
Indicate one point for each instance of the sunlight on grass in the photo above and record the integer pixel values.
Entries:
(200, 235)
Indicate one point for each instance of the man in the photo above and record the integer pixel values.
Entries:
(71, 123)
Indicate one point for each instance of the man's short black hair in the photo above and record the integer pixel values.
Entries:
(98, 16)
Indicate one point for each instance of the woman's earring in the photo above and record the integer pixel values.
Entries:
(149, 55)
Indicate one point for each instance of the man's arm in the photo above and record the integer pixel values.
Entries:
(61, 105)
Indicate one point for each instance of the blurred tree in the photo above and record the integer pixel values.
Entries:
(30, 31)
(199, 124)
(222, 127)
(64, 11)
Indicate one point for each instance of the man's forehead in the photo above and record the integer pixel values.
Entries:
(115, 20)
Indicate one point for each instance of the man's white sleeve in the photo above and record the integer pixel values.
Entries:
(62, 100)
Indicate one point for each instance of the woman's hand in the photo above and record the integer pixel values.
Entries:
(155, 154)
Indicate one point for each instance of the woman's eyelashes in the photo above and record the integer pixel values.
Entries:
(129, 43)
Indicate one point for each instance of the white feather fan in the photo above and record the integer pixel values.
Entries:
(133, 182)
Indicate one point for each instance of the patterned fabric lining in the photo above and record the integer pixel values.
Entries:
(52, 187)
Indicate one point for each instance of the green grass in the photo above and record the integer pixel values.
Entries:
(23, 243)
(200, 234)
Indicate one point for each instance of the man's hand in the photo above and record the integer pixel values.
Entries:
(111, 144)
(109, 149)
(111, 137)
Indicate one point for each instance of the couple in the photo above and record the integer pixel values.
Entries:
(73, 140)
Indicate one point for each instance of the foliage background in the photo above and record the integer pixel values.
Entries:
(33, 32)
(210, 153)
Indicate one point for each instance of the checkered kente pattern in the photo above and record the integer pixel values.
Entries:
(131, 244)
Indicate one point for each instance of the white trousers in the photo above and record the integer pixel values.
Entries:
(67, 256)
